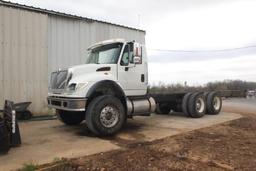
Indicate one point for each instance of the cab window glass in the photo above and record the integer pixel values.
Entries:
(131, 53)
(107, 54)
(126, 56)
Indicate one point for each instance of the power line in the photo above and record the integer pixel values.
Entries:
(191, 51)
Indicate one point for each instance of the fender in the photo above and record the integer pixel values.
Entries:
(106, 84)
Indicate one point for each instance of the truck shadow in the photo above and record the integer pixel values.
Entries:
(128, 136)
(180, 114)
(131, 128)
(83, 130)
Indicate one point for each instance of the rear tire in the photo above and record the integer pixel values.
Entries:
(105, 115)
(184, 105)
(214, 103)
(70, 118)
(197, 105)
(163, 108)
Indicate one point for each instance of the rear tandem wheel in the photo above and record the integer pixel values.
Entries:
(214, 103)
(197, 105)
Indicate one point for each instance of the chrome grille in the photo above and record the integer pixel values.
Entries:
(59, 79)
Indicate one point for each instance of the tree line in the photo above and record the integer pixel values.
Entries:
(226, 85)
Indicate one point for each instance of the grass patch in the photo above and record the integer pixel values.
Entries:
(29, 167)
(57, 160)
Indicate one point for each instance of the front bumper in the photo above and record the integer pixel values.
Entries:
(68, 104)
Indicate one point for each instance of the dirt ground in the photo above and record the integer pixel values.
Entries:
(227, 146)
(46, 141)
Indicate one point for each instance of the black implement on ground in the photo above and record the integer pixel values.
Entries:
(9, 128)
(22, 111)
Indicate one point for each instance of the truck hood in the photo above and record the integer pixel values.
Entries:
(92, 72)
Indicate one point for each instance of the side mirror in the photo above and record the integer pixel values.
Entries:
(137, 51)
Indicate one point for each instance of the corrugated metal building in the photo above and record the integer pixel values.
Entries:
(34, 42)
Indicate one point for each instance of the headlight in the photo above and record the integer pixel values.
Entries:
(80, 86)
(75, 87)
(72, 87)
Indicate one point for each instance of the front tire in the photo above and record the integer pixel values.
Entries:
(185, 104)
(70, 118)
(105, 115)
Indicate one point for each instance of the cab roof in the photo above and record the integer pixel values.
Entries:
(106, 42)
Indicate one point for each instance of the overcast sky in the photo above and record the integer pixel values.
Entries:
(181, 25)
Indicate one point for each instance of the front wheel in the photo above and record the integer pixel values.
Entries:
(105, 115)
(70, 118)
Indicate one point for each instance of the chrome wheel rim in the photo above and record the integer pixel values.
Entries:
(200, 105)
(216, 103)
(109, 116)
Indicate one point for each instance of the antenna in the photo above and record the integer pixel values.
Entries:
(138, 20)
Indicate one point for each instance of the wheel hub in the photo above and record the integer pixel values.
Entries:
(200, 105)
(216, 103)
(109, 116)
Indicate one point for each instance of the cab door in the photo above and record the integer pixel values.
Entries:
(132, 75)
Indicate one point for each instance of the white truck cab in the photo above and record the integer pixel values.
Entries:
(121, 63)
(112, 86)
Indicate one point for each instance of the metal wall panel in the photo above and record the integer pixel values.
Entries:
(33, 44)
(1, 58)
(24, 65)
(69, 39)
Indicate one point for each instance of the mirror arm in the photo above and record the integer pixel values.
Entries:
(131, 65)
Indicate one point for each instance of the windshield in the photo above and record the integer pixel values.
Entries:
(107, 54)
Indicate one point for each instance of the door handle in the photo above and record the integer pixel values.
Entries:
(126, 68)
(143, 78)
